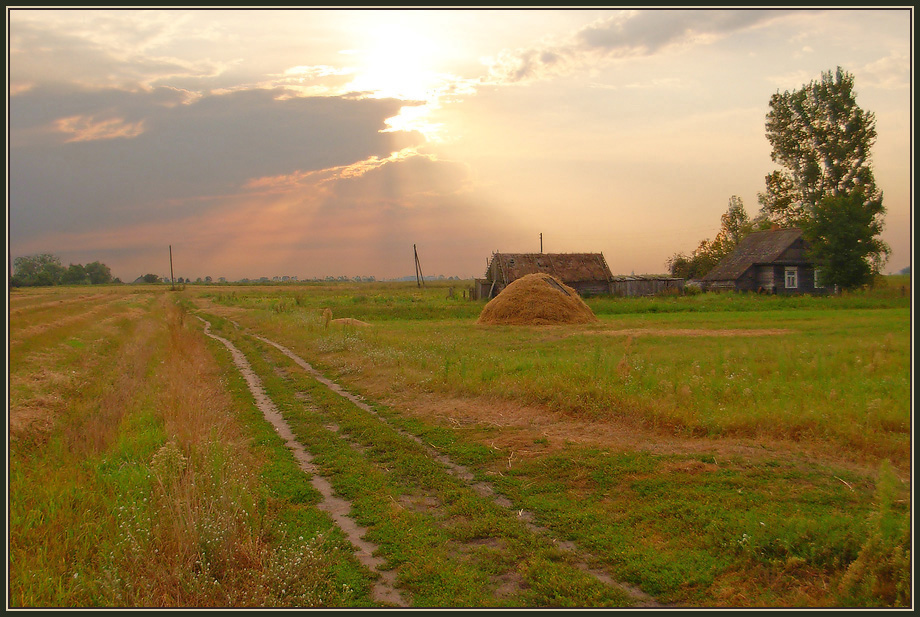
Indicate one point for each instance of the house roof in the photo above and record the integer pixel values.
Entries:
(758, 247)
(568, 267)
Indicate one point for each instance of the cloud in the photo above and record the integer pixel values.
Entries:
(348, 221)
(68, 170)
(89, 128)
(118, 53)
(627, 34)
(892, 72)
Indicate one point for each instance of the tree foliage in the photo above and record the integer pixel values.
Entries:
(735, 225)
(45, 269)
(75, 275)
(822, 139)
(40, 269)
(843, 234)
(98, 273)
(827, 188)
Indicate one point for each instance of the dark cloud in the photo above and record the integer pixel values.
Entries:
(327, 223)
(185, 152)
(650, 31)
(629, 33)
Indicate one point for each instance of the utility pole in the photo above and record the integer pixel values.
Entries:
(172, 279)
(541, 241)
(419, 277)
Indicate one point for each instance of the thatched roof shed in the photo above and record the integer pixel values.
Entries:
(587, 273)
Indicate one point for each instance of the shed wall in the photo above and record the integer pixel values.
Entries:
(645, 286)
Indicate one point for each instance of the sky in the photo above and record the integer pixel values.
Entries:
(314, 143)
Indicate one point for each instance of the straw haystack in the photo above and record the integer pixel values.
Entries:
(536, 300)
(342, 321)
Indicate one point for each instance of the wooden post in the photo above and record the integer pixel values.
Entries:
(419, 277)
(172, 278)
(541, 241)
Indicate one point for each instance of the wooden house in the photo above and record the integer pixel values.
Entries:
(586, 273)
(773, 261)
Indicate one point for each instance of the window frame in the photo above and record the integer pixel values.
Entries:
(818, 283)
(794, 278)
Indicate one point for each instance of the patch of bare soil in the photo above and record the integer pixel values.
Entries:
(348, 321)
(692, 332)
(531, 430)
(34, 416)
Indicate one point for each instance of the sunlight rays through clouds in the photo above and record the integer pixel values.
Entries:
(298, 140)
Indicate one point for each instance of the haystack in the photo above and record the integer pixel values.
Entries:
(348, 321)
(342, 321)
(536, 300)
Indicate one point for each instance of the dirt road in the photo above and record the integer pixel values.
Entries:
(385, 590)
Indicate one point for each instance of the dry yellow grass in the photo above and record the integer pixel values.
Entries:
(348, 321)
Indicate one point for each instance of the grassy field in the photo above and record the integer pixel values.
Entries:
(701, 450)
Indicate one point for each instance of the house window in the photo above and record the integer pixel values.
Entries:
(792, 278)
(818, 283)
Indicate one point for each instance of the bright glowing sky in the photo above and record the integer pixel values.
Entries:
(329, 142)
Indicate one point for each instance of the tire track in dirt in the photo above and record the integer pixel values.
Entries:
(484, 489)
(384, 589)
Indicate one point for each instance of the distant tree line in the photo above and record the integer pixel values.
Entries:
(45, 269)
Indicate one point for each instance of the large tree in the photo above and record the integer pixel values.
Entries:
(843, 232)
(75, 275)
(99, 273)
(40, 269)
(822, 138)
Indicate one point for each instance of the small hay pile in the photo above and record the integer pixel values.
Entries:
(537, 300)
(348, 321)
(342, 321)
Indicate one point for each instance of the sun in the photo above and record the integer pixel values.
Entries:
(397, 61)
(413, 56)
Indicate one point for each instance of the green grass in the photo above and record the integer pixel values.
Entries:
(832, 391)
(383, 473)
(837, 373)
(771, 470)
(137, 489)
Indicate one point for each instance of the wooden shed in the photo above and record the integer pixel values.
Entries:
(587, 273)
(645, 285)
(773, 261)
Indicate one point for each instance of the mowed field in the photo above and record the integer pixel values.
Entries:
(235, 446)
